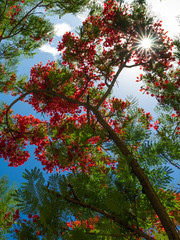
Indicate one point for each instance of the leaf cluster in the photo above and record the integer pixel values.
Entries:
(7, 205)
(78, 197)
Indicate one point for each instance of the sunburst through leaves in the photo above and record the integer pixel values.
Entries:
(146, 44)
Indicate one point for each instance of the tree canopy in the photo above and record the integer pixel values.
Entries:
(24, 26)
(114, 154)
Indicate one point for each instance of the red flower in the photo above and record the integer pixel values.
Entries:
(6, 215)
(35, 217)
(16, 230)
(16, 215)
(157, 84)
(155, 127)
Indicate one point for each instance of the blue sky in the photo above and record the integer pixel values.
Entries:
(127, 85)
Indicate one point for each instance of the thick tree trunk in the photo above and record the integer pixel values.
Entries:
(168, 225)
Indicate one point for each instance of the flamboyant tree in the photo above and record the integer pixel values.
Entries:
(116, 185)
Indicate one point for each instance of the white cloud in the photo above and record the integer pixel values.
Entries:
(61, 28)
(83, 16)
(47, 48)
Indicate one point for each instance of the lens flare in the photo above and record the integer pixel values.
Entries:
(146, 43)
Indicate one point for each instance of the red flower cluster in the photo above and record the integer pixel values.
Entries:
(14, 140)
(13, 12)
(87, 224)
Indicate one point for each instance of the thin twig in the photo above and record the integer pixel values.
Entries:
(174, 164)
(73, 192)
(110, 87)
(103, 212)
(26, 15)
(110, 216)
(9, 107)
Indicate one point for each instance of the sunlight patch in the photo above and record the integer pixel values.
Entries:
(146, 43)
(83, 16)
(61, 28)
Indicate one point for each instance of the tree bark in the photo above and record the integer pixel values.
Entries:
(168, 225)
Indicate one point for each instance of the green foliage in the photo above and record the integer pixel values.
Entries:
(167, 134)
(33, 188)
(7, 205)
(95, 195)
(27, 30)
(63, 7)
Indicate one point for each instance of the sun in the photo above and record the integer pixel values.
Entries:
(146, 43)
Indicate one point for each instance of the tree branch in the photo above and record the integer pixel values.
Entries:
(9, 107)
(174, 164)
(73, 192)
(138, 171)
(134, 65)
(4, 9)
(110, 87)
(110, 216)
(104, 213)
(25, 16)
